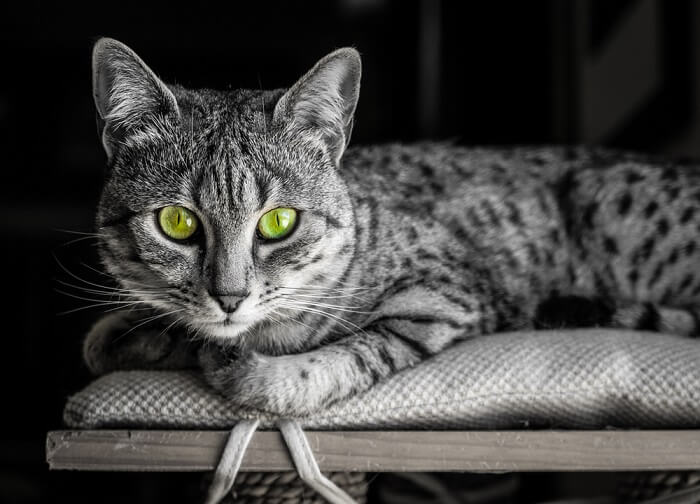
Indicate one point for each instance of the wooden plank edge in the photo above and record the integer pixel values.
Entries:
(382, 451)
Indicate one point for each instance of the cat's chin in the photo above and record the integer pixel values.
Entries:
(224, 332)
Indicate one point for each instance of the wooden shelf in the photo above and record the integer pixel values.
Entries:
(382, 451)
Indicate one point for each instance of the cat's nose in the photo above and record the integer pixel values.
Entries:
(229, 303)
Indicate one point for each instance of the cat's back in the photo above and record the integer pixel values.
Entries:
(430, 171)
(442, 175)
(632, 219)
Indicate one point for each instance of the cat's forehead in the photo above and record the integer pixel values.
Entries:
(252, 173)
(223, 113)
(227, 195)
(232, 128)
(222, 152)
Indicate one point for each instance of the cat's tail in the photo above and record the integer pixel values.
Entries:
(578, 311)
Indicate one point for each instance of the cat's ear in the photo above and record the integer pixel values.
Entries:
(323, 101)
(128, 95)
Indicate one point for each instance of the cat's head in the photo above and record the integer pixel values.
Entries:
(224, 207)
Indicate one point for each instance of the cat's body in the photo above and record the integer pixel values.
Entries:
(544, 222)
(399, 251)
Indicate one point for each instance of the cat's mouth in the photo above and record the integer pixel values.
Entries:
(228, 321)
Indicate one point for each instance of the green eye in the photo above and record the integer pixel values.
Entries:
(277, 223)
(177, 222)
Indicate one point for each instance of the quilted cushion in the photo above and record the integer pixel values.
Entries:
(566, 379)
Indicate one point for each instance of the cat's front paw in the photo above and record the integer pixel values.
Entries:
(111, 344)
(272, 385)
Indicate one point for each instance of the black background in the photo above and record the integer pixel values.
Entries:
(492, 72)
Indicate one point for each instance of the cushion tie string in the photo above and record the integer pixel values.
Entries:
(230, 461)
(299, 450)
(306, 465)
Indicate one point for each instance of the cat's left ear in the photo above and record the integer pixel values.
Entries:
(323, 101)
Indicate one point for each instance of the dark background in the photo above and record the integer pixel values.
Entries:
(619, 73)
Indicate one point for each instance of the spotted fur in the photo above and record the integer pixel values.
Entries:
(400, 251)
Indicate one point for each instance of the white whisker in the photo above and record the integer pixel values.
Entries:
(96, 305)
(107, 290)
(169, 326)
(321, 295)
(96, 300)
(76, 240)
(340, 320)
(70, 231)
(147, 320)
(349, 309)
(292, 319)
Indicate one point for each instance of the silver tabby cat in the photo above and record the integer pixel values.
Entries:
(307, 272)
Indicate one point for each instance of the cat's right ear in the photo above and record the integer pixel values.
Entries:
(128, 95)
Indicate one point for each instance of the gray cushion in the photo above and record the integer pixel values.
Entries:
(567, 379)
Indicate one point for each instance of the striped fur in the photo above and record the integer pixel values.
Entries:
(400, 250)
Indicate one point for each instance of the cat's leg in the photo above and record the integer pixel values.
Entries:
(115, 342)
(681, 321)
(299, 384)
(578, 311)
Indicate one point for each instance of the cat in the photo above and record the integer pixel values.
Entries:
(298, 272)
